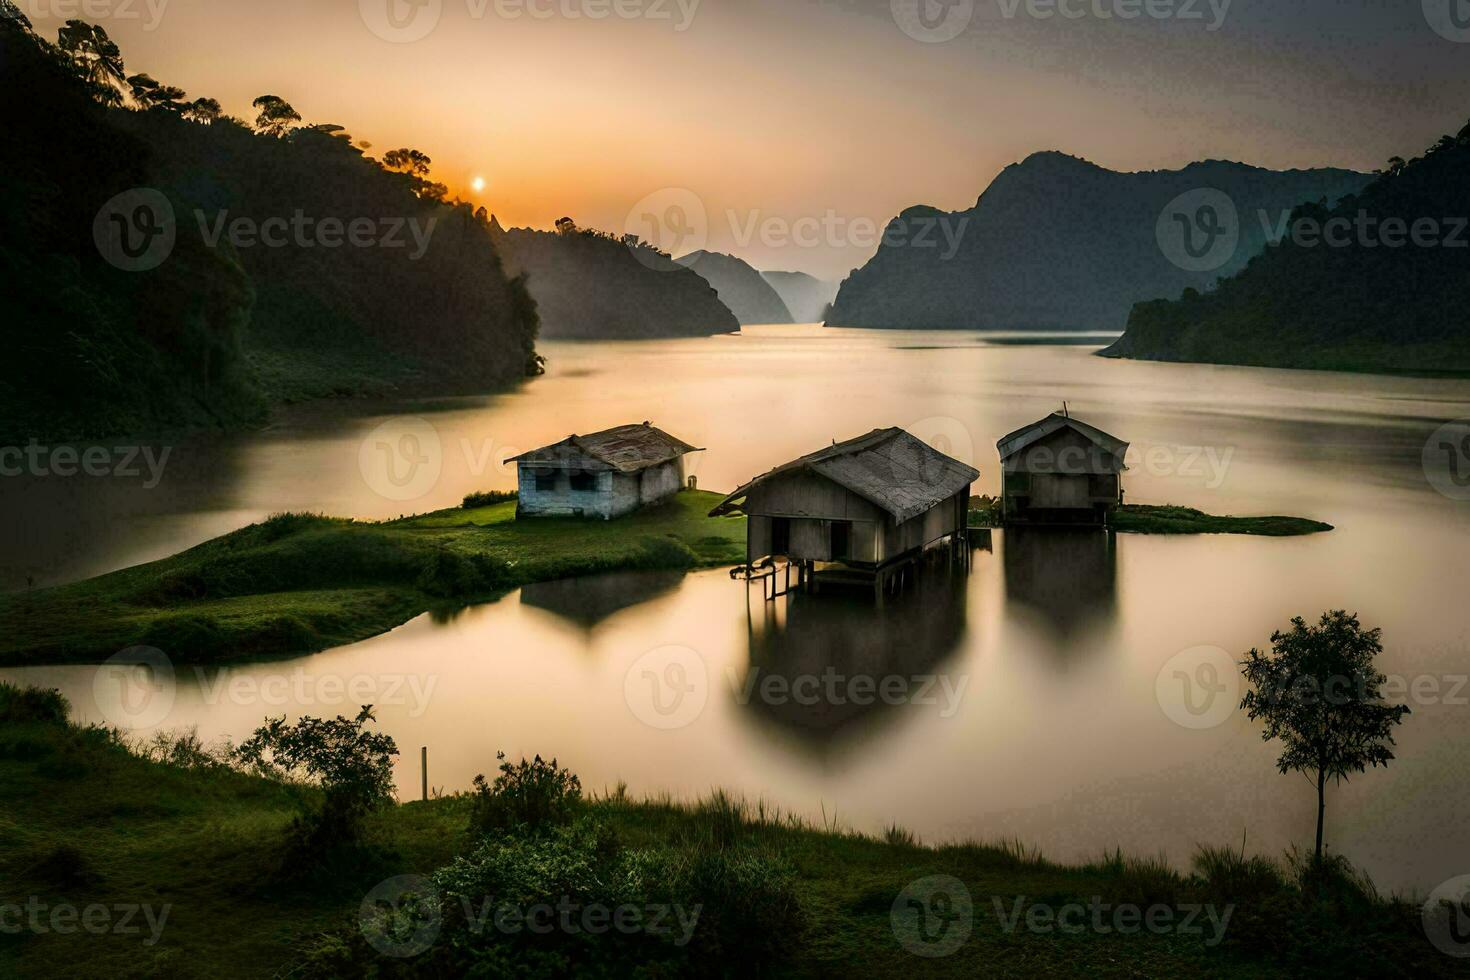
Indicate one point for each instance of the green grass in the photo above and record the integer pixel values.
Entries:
(1147, 519)
(85, 820)
(300, 582)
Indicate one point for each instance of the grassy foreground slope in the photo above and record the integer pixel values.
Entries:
(299, 583)
(88, 822)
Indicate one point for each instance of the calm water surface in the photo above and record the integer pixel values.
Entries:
(1022, 699)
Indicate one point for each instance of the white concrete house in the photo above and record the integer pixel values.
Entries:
(606, 474)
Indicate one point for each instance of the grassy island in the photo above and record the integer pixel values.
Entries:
(301, 582)
(1149, 519)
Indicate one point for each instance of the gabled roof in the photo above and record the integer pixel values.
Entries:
(626, 449)
(1036, 431)
(903, 475)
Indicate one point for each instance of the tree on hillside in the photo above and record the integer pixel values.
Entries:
(407, 161)
(1318, 692)
(332, 129)
(151, 94)
(10, 12)
(566, 226)
(276, 115)
(203, 111)
(96, 58)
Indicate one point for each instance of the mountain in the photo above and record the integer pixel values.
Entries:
(741, 288)
(589, 285)
(1381, 282)
(163, 273)
(1058, 242)
(807, 297)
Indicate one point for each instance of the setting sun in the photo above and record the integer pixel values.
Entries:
(477, 185)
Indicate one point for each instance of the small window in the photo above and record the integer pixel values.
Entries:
(546, 481)
(584, 482)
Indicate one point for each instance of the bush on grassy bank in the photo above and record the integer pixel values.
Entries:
(489, 498)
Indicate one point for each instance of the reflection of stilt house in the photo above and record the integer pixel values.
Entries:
(871, 504)
(1061, 471)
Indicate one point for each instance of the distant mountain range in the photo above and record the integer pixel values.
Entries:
(806, 297)
(1057, 242)
(589, 285)
(748, 295)
(1379, 282)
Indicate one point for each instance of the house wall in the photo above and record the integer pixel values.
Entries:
(1061, 477)
(658, 483)
(812, 503)
(563, 501)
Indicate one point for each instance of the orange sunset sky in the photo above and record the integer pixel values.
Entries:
(778, 110)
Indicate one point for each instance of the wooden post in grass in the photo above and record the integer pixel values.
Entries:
(424, 766)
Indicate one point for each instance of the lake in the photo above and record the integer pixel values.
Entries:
(1070, 690)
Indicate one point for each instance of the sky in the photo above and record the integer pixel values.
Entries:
(789, 131)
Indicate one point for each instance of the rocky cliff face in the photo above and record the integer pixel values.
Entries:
(591, 286)
(1057, 242)
(807, 297)
(740, 286)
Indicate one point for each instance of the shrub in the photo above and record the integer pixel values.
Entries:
(489, 498)
(354, 768)
(526, 797)
(24, 705)
(450, 575)
(196, 635)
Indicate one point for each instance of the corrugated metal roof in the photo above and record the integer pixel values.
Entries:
(626, 449)
(888, 467)
(1026, 435)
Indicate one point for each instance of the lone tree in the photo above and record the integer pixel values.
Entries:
(1318, 691)
(408, 161)
(276, 115)
(96, 58)
(206, 112)
(151, 94)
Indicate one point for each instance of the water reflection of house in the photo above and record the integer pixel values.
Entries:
(1061, 470)
(871, 504)
(826, 664)
(1067, 577)
(590, 599)
(606, 474)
